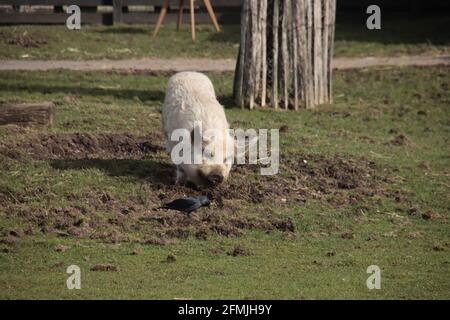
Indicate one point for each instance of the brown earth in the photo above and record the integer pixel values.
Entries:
(82, 146)
(96, 214)
(24, 40)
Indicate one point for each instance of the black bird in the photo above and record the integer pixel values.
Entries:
(188, 204)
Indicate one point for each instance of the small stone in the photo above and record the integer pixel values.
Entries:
(217, 250)
(415, 235)
(105, 267)
(239, 250)
(430, 215)
(16, 233)
(424, 165)
(347, 235)
(372, 237)
(331, 253)
(61, 248)
(9, 240)
(171, 258)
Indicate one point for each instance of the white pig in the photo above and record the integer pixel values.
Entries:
(190, 100)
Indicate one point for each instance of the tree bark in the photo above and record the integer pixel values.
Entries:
(285, 53)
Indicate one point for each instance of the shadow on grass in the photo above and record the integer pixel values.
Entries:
(228, 34)
(394, 30)
(227, 101)
(152, 171)
(127, 94)
(126, 30)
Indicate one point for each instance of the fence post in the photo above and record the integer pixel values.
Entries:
(117, 14)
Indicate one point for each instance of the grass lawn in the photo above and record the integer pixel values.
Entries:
(397, 37)
(362, 182)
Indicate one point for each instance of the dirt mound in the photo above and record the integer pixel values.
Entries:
(84, 145)
(401, 140)
(95, 214)
(25, 41)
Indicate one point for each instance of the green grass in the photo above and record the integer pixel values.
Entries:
(397, 37)
(371, 108)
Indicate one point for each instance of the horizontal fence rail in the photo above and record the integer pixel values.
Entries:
(128, 11)
(109, 11)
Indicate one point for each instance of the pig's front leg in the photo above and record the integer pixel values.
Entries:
(181, 176)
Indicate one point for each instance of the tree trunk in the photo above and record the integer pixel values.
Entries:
(285, 53)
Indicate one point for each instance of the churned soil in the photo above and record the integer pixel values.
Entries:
(246, 201)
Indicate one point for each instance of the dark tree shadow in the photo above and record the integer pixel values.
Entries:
(126, 30)
(228, 34)
(152, 171)
(396, 29)
(128, 94)
(227, 101)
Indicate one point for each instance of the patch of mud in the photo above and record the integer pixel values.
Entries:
(84, 146)
(96, 214)
(105, 267)
(401, 140)
(25, 41)
(239, 250)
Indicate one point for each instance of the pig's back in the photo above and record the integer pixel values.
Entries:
(189, 84)
(190, 97)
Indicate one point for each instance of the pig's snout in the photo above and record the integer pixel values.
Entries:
(215, 179)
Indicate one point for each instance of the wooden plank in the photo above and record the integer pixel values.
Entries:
(276, 18)
(284, 53)
(325, 43)
(304, 51)
(239, 74)
(107, 18)
(161, 17)
(331, 49)
(263, 18)
(200, 18)
(294, 50)
(180, 14)
(309, 69)
(211, 14)
(117, 12)
(192, 11)
(252, 48)
(53, 18)
(215, 3)
(81, 3)
(343, 5)
(27, 114)
(317, 56)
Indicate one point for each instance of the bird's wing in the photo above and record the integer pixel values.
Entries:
(185, 204)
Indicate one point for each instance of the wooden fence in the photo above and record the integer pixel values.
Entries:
(227, 11)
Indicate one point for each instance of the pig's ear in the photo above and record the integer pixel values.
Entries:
(207, 139)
